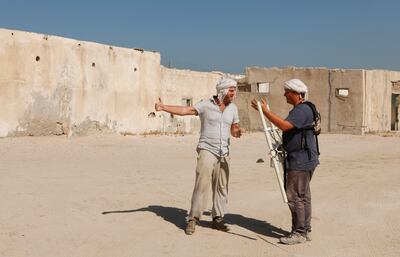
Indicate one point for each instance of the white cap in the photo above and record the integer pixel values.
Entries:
(225, 83)
(296, 85)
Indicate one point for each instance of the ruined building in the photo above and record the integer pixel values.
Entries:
(51, 85)
(349, 100)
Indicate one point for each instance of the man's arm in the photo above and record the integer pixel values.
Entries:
(236, 131)
(282, 124)
(175, 109)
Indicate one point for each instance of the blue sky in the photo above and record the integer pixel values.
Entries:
(227, 35)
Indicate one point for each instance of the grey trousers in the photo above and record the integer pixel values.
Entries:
(299, 199)
(212, 170)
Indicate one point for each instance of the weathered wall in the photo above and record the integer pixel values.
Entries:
(313, 78)
(177, 85)
(378, 96)
(338, 114)
(249, 117)
(53, 85)
(345, 114)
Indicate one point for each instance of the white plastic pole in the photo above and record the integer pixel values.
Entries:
(272, 152)
(274, 128)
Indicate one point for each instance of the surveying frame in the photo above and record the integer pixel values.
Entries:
(274, 141)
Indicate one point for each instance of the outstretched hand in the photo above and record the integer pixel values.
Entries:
(263, 104)
(159, 106)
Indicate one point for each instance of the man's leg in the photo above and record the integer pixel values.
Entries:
(220, 179)
(307, 205)
(296, 190)
(205, 164)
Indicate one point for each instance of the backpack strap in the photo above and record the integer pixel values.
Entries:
(314, 111)
(312, 106)
(316, 142)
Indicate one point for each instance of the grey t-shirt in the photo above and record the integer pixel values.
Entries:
(215, 126)
(295, 141)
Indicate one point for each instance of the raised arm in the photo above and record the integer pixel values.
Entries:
(175, 109)
(282, 124)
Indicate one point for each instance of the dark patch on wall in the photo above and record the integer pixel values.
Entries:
(175, 125)
(89, 127)
(43, 127)
(47, 115)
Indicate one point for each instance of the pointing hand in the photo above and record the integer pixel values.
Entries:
(159, 106)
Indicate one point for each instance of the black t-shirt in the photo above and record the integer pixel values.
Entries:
(295, 141)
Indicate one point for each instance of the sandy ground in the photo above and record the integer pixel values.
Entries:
(118, 196)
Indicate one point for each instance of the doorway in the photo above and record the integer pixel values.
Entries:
(395, 106)
(394, 123)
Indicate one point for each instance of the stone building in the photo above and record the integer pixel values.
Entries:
(349, 100)
(51, 85)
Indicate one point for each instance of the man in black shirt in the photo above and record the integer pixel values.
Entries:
(301, 157)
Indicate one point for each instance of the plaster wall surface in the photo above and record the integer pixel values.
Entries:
(249, 117)
(378, 96)
(178, 87)
(316, 79)
(53, 85)
(345, 114)
(338, 114)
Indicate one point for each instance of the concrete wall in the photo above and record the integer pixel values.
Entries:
(316, 79)
(378, 97)
(52, 85)
(345, 114)
(249, 118)
(177, 85)
(338, 114)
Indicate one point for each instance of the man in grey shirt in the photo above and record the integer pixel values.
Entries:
(301, 157)
(219, 118)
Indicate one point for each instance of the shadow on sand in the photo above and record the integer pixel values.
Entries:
(177, 217)
(173, 215)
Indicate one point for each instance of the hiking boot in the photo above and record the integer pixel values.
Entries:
(294, 238)
(219, 224)
(308, 236)
(191, 226)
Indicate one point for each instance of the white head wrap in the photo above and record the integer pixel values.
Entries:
(223, 86)
(296, 85)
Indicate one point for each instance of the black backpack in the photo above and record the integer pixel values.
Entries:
(316, 125)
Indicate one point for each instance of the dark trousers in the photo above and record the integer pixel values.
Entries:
(299, 199)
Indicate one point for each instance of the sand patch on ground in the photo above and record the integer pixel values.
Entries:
(128, 196)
